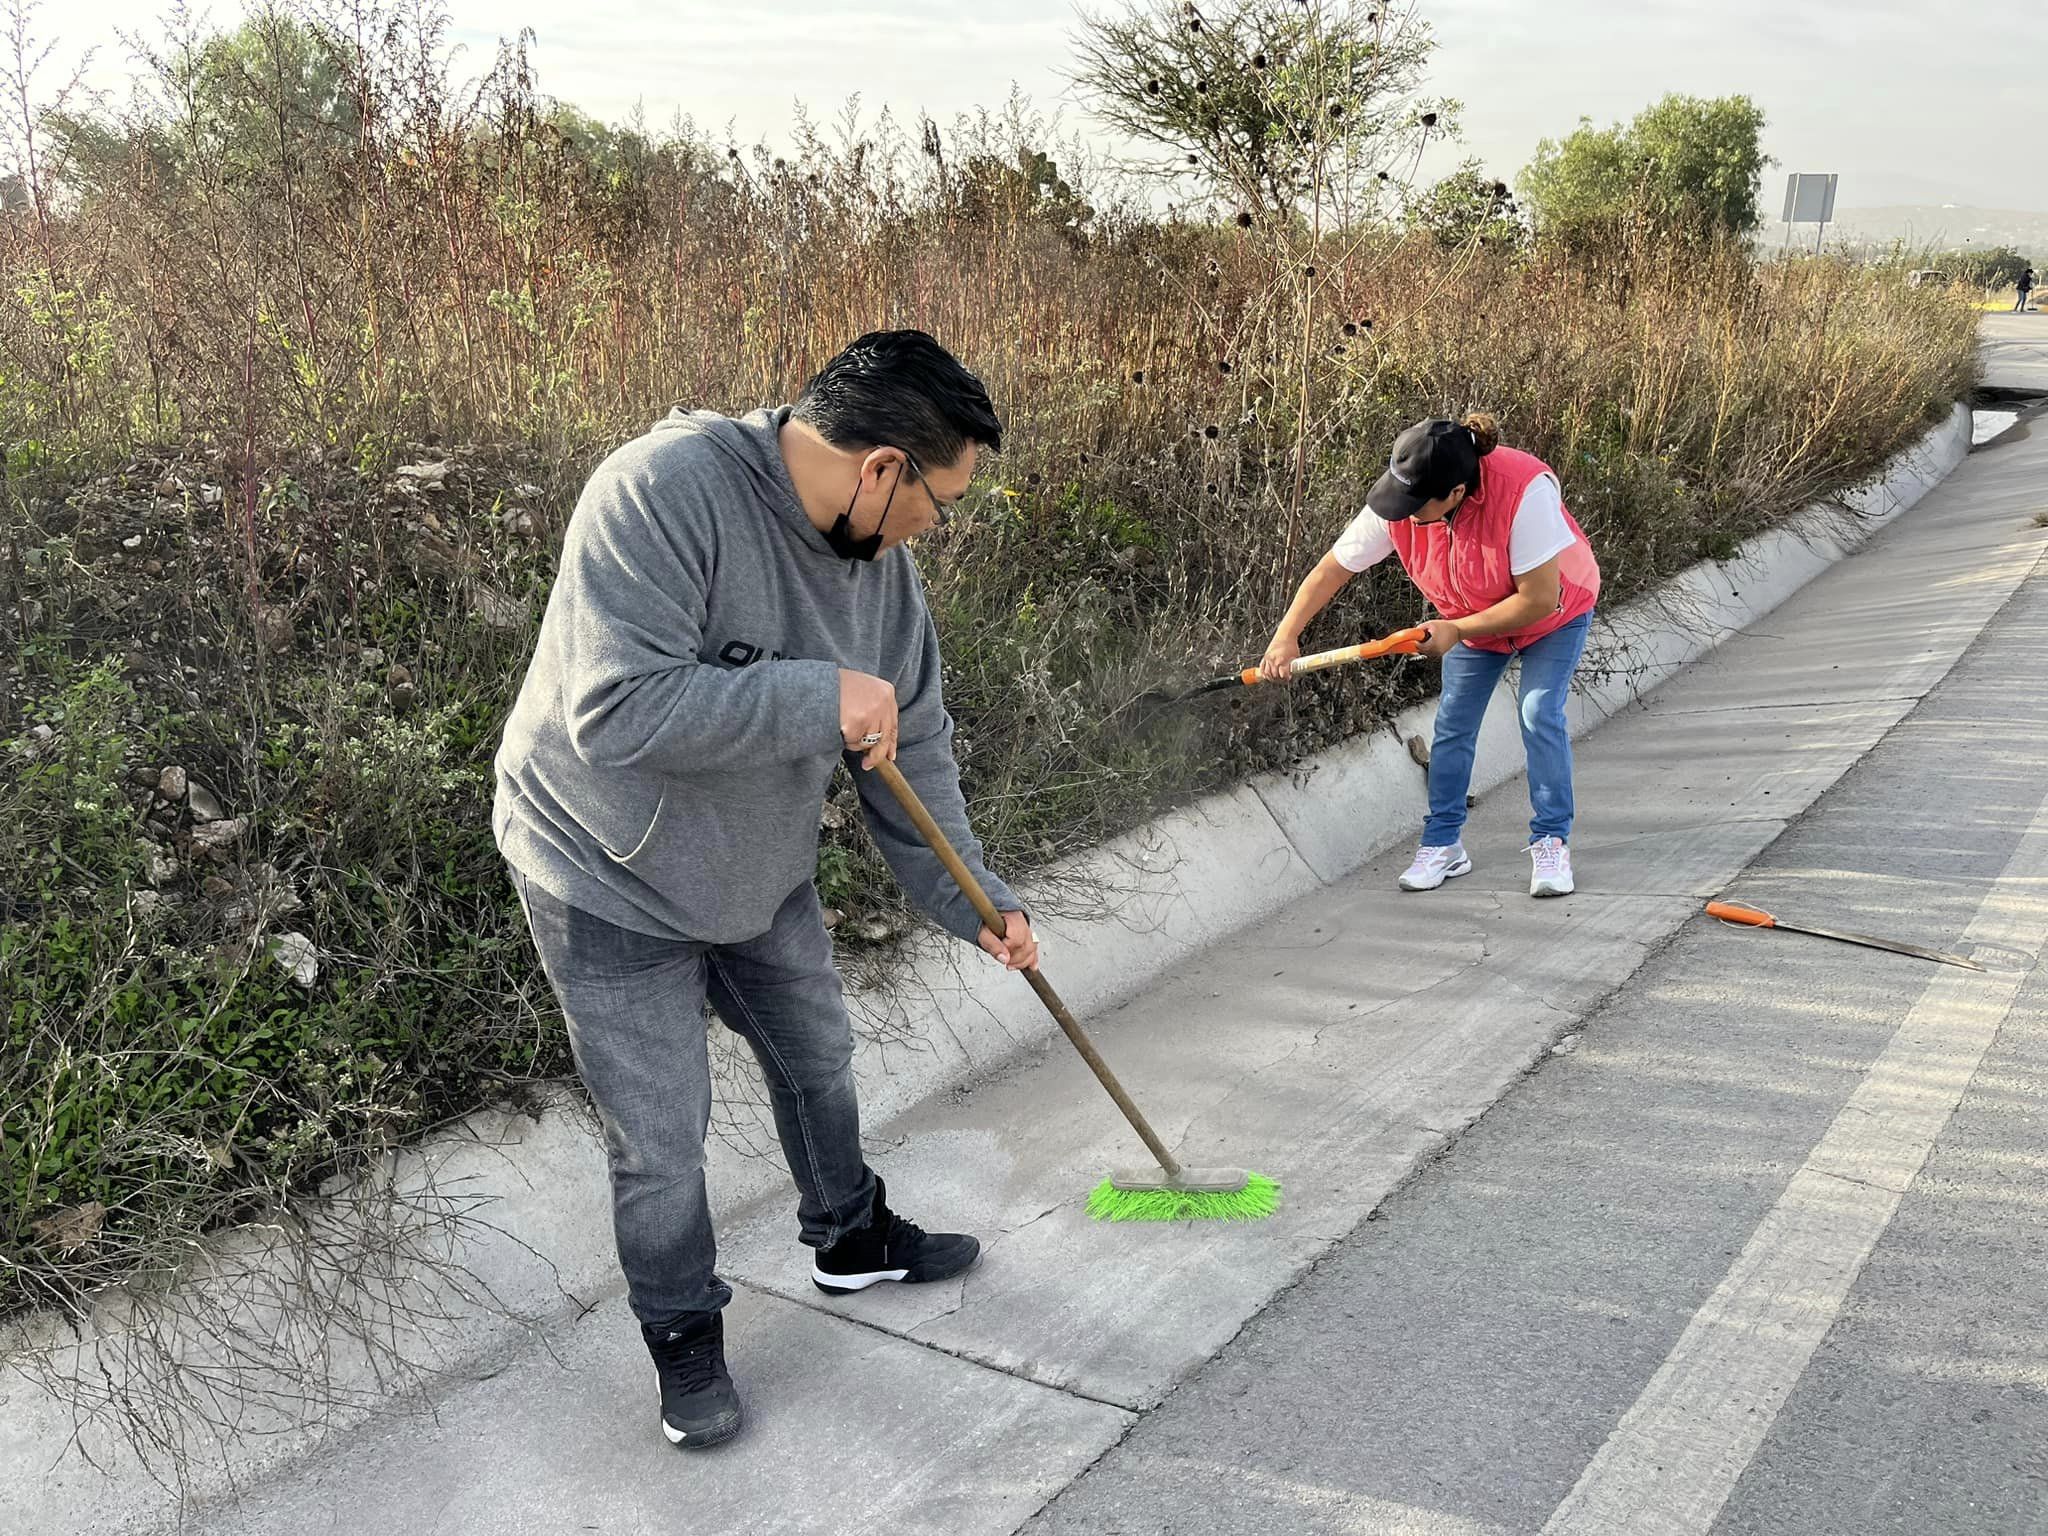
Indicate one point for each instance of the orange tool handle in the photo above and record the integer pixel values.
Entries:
(1736, 912)
(1405, 642)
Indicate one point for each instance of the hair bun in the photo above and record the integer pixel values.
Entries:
(1485, 429)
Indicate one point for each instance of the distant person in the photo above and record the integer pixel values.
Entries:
(2026, 289)
(1482, 530)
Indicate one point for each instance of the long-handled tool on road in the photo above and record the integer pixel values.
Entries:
(1173, 1193)
(1406, 642)
(1755, 917)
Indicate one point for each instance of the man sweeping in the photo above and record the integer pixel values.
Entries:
(734, 612)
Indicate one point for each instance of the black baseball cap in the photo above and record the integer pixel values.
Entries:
(1431, 459)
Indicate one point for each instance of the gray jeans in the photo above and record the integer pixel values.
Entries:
(635, 1008)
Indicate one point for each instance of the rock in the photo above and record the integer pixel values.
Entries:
(371, 658)
(70, 1229)
(297, 954)
(153, 567)
(833, 918)
(520, 523)
(874, 930)
(239, 915)
(431, 474)
(1565, 1046)
(496, 609)
(149, 907)
(205, 807)
(171, 784)
(142, 773)
(134, 541)
(525, 492)
(832, 818)
(170, 485)
(219, 836)
(212, 495)
(40, 737)
(273, 629)
(158, 867)
(399, 685)
(215, 887)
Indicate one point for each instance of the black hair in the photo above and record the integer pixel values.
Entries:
(900, 389)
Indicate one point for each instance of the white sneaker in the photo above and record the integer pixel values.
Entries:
(1433, 866)
(1552, 875)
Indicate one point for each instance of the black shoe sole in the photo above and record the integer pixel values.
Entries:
(704, 1439)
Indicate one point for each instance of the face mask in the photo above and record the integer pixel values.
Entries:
(840, 535)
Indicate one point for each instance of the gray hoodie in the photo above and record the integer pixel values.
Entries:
(667, 760)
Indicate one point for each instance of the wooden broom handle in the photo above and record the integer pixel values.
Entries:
(992, 920)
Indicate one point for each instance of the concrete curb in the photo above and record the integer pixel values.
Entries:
(507, 1215)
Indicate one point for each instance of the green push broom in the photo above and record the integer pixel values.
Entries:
(1173, 1193)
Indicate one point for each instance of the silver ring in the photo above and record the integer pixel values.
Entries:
(871, 738)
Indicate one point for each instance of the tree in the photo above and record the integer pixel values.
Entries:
(1690, 165)
(1269, 103)
(1995, 268)
(1467, 207)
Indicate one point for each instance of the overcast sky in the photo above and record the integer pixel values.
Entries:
(1908, 106)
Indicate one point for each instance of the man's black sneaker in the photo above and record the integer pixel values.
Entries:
(890, 1248)
(698, 1404)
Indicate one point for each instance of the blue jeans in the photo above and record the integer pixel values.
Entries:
(1469, 680)
(635, 1008)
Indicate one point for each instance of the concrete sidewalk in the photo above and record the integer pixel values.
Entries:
(1337, 1047)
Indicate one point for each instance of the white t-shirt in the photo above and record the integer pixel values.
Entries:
(1538, 533)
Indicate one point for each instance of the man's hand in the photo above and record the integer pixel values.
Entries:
(1017, 949)
(867, 716)
(1439, 635)
(1280, 655)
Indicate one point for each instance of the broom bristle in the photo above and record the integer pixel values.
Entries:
(1259, 1198)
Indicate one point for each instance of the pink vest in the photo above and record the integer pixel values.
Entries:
(1461, 564)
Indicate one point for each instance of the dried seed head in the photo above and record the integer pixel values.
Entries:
(1258, 61)
(1500, 190)
(1152, 87)
(1309, 270)
(1201, 87)
(1429, 119)
(731, 153)
(1194, 159)
(1350, 327)
(1244, 221)
(1195, 24)
(1336, 109)
(1385, 177)
(781, 164)
(1223, 365)
(1137, 375)
(1212, 432)
(1214, 489)
(1034, 479)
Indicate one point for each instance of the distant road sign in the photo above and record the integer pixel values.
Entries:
(1809, 199)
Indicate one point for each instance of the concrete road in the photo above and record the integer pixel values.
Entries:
(1598, 1218)
(2015, 350)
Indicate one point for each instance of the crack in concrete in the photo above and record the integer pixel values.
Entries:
(1749, 709)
